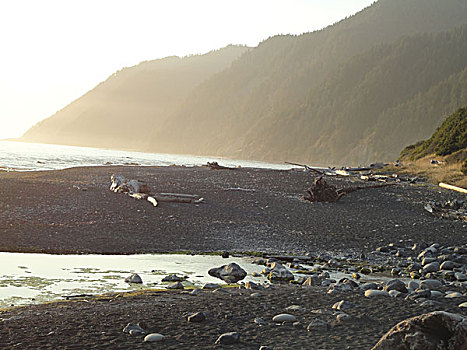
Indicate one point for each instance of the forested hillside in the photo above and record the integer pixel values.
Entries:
(358, 91)
(121, 112)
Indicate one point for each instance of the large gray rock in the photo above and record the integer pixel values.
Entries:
(231, 273)
(431, 267)
(434, 331)
(134, 278)
(279, 272)
(430, 284)
(395, 285)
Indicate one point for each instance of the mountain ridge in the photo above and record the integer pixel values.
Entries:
(290, 97)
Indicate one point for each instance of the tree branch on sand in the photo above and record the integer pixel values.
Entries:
(321, 191)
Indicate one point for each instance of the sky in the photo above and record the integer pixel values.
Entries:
(54, 51)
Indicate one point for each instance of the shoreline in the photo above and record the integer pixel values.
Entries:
(73, 210)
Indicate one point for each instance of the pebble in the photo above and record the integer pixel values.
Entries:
(210, 286)
(412, 285)
(448, 265)
(453, 295)
(430, 284)
(317, 325)
(294, 308)
(394, 293)
(133, 329)
(228, 338)
(175, 285)
(461, 277)
(153, 337)
(284, 318)
(463, 305)
(376, 293)
(196, 291)
(343, 305)
(436, 294)
(343, 317)
(431, 267)
(368, 286)
(196, 317)
(259, 321)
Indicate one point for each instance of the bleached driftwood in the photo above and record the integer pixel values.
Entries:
(451, 187)
(139, 190)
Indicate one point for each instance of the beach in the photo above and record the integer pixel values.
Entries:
(250, 211)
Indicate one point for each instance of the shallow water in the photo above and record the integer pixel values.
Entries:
(21, 156)
(35, 278)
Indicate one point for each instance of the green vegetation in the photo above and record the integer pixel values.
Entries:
(449, 138)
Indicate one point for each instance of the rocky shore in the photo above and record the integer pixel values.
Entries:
(399, 260)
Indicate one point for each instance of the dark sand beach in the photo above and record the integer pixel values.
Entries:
(245, 210)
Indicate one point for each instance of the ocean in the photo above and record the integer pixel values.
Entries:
(21, 156)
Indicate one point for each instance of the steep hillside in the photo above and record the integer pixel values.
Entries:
(447, 146)
(288, 99)
(120, 112)
(449, 138)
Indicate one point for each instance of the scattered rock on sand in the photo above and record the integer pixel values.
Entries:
(317, 325)
(430, 284)
(134, 278)
(376, 293)
(395, 285)
(196, 317)
(133, 329)
(342, 305)
(173, 278)
(211, 286)
(175, 285)
(436, 330)
(284, 318)
(153, 337)
(228, 338)
(279, 272)
(231, 273)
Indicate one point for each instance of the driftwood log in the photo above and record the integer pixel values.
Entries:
(216, 166)
(139, 190)
(321, 191)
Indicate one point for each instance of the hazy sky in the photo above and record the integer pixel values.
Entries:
(53, 51)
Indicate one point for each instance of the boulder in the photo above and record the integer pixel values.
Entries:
(431, 267)
(430, 284)
(279, 272)
(133, 278)
(173, 278)
(231, 273)
(395, 285)
(432, 331)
